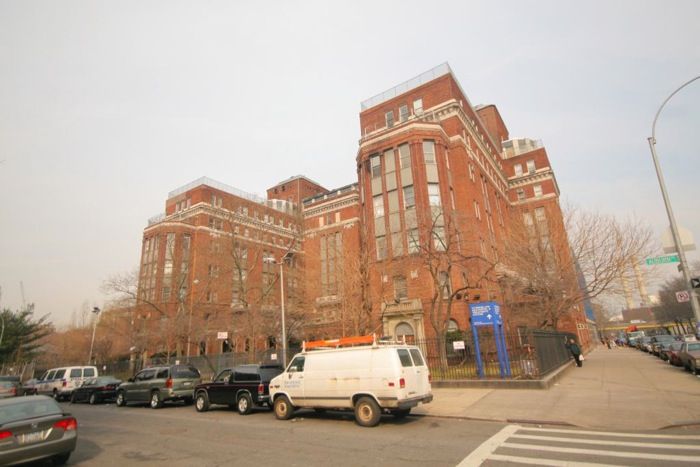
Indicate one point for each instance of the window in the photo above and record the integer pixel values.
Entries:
(223, 377)
(166, 294)
(389, 119)
(429, 151)
(439, 239)
(405, 357)
(434, 194)
(521, 194)
(403, 113)
(418, 107)
(88, 372)
(409, 199)
(378, 202)
(417, 357)
(531, 166)
(540, 215)
(471, 172)
(477, 211)
(216, 201)
(404, 156)
(413, 241)
(76, 373)
(538, 190)
(297, 364)
(381, 248)
(213, 270)
(445, 286)
(376, 164)
(518, 169)
(400, 287)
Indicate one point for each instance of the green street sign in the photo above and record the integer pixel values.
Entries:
(663, 260)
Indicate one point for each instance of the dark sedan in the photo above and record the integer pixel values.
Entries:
(34, 428)
(96, 390)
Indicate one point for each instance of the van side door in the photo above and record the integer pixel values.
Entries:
(293, 381)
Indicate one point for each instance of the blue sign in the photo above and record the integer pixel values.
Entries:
(485, 313)
(489, 314)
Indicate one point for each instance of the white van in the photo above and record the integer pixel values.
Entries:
(370, 379)
(59, 383)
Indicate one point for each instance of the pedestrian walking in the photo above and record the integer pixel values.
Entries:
(575, 351)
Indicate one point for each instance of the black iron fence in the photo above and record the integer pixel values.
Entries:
(531, 354)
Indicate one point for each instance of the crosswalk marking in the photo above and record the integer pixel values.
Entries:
(575, 444)
(547, 462)
(634, 455)
(609, 433)
(601, 442)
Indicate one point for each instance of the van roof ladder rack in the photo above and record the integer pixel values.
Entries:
(340, 342)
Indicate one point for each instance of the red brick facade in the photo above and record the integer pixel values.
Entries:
(434, 175)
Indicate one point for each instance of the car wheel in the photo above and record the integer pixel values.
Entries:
(201, 402)
(693, 369)
(60, 459)
(121, 399)
(156, 401)
(367, 412)
(93, 399)
(56, 396)
(284, 410)
(72, 398)
(244, 405)
(400, 413)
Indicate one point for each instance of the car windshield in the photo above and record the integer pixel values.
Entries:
(692, 347)
(31, 408)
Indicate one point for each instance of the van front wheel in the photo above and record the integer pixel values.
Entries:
(283, 408)
(367, 412)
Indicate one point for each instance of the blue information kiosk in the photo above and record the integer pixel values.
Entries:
(489, 314)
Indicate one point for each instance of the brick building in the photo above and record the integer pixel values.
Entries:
(423, 232)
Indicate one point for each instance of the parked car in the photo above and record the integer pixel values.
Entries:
(370, 379)
(35, 428)
(242, 387)
(59, 383)
(673, 353)
(658, 341)
(160, 384)
(644, 343)
(689, 356)
(29, 387)
(96, 390)
(10, 386)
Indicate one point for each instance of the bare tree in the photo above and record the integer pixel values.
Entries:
(553, 265)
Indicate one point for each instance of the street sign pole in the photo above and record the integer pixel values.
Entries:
(671, 218)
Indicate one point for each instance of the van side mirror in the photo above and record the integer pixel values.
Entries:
(292, 369)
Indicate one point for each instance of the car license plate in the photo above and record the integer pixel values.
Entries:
(31, 437)
(188, 383)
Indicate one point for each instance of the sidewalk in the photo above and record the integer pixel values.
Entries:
(621, 389)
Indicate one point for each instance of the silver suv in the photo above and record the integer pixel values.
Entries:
(160, 384)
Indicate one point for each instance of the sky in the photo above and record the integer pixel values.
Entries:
(105, 107)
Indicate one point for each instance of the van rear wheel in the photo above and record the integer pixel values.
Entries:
(284, 410)
(367, 412)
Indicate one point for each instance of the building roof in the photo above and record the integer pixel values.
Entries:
(219, 186)
(295, 177)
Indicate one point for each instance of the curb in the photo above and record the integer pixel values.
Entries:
(496, 420)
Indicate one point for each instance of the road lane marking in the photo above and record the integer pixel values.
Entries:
(547, 462)
(485, 449)
(694, 447)
(599, 452)
(605, 433)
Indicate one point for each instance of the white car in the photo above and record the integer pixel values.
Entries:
(370, 379)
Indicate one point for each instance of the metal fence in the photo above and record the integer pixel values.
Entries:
(532, 354)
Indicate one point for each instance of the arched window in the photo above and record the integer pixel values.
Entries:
(452, 326)
(405, 331)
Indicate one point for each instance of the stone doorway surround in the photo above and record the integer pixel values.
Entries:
(405, 311)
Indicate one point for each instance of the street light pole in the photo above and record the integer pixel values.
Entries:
(94, 328)
(284, 327)
(669, 211)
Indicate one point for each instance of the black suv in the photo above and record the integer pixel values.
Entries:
(160, 384)
(242, 387)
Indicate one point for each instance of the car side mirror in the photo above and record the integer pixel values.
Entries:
(131, 380)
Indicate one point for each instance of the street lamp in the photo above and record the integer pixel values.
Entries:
(94, 328)
(268, 260)
(669, 211)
